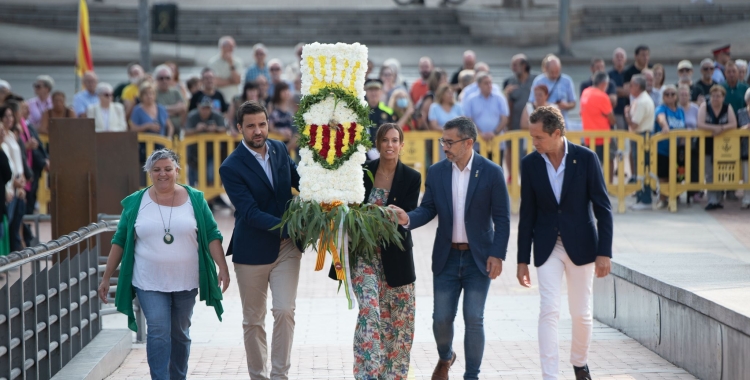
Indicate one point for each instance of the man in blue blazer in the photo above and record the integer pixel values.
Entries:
(562, 190)
(468, 195)
(258, 177)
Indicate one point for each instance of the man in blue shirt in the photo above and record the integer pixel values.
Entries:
(259, 67)
(86, 97)
(487, 109)
(560, 86)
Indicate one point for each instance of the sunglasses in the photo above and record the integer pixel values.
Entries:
(670, 94)
(37, 85)
(684, 70)
(108, 95)
(275, 69)
(164, 78)
(707, 68)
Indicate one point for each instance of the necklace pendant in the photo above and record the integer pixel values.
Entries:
(168, 238)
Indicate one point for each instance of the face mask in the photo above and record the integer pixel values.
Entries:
(402, 103)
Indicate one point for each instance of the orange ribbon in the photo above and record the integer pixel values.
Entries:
(329, 245)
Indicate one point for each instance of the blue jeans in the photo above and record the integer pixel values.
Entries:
(193, 173)
(460, 273)
(168, 342)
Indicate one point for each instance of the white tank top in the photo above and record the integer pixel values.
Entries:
(165, 267)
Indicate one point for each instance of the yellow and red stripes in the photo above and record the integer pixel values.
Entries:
(84, 60)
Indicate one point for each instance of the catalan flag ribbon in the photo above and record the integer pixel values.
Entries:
(84, 62)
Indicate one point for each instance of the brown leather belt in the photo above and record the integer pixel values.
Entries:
(460, 246)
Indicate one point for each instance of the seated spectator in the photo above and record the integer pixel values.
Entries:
(169, 96)
(541, 98)
(402, 107)
(150, 117)
(208, 80)
(250, 92)
(280, 120)
(259, 68)
(422, 111)
(743, 122)
(716, 117)
(86, 97)
(108, 116)
(202, 120)
(669, 116)
(58, 111)
(444, 108)
(420, 87)
(135, 73)
(596, 110)
(39, 104)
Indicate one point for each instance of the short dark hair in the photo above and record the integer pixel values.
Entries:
(205, 70)
(466, 127)
(525, 64)
(250, 108)
(277, 89)
(600, 77)
(641, 48)
(550, 117)
(249, 86)
(384, 129)
(57, 93)
(594, 61)
(193, 82)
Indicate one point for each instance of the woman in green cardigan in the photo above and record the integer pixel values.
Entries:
(168, 242)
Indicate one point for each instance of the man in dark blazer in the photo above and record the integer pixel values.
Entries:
(258, 177)
(468, 195)
(561, 184)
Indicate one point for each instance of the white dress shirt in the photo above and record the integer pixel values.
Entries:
(460, 185)
(556, 176)
(265, 162)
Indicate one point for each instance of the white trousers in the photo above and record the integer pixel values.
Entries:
(580, 281)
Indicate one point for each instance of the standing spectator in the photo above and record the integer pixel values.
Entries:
(473, 88)
(517, 92)
(715, 116)
(489, 112)
(597, 113)
(193, 86)
(39, 104)
(616, 76)
(420, 86)
(465, 79)
(641, 118)
(561, 87)
(176, 80)
(14, 149)
(150, 117)
(370, 67)
(421, 112)
(722, 55)
(169, 96)
(388, 77)
(514, 67)
(690, 110)
(202, 120)
(444, 108)
(35, 160)
(108, 116)
(659, 76)
(403, 109)
(469, 60)
(395, 66)
(274, 67)
(742, 68)
(541, 94)
(208, 80)
(259, 67)
(642, 56)
(58, 111)
(597, 65)
(735, 88)
(6, 186)
(701, 91)
(281, 119)
(669, 116)
(5, 92)
(264, 87)
(292, 70)
(227, 68)
(652, 91)
(685, 72)
(438, 76)
(743, 122)
(135, 73)
(86, 97)
(379, 113)
(129, 97)
(250, 92)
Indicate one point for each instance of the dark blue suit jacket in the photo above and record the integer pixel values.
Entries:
(487, 211)
(258, 205)
(542, 218)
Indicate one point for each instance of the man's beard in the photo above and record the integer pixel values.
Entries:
(255, 145)
(424, 74)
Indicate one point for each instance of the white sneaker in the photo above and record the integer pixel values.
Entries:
(641, 206)
(660, 205)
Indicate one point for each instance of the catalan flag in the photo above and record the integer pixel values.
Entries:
(84, 62)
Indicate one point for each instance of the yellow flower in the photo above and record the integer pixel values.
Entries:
(318, 139)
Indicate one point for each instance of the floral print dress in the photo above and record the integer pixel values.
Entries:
(385, 324)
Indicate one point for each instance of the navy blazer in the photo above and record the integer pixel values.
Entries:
(258, 205)
(487, 211)
(542, 218)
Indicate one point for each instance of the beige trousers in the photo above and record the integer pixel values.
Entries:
(254, 281)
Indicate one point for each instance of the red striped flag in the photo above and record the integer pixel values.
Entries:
(84, 61)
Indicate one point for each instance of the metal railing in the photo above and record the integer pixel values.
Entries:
(49, 308)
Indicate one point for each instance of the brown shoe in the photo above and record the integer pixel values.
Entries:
(441, 370)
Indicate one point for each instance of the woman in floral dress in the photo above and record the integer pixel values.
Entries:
(384, 282)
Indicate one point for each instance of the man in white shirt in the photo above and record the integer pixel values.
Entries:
(467, 193)
(640, 117)
(227, 68)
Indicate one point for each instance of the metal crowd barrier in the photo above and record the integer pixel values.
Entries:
(49, 308)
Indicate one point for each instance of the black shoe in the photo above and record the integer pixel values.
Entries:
(713, 206)
(582, 373)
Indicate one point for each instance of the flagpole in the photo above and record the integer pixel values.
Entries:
(78, 42)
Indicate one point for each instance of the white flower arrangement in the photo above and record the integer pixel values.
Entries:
(350, 67)
(321, 185)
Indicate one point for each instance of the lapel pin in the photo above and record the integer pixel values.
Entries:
(394, 199)
(574, 161)
(476, 175)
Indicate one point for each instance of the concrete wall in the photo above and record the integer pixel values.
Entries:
(665, 319)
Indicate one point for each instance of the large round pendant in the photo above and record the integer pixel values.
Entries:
(168, 238)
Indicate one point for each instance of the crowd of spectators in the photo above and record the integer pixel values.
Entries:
(638, 97)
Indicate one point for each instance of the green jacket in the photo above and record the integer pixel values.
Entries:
(208, 231)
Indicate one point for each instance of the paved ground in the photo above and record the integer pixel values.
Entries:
(511, 352)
